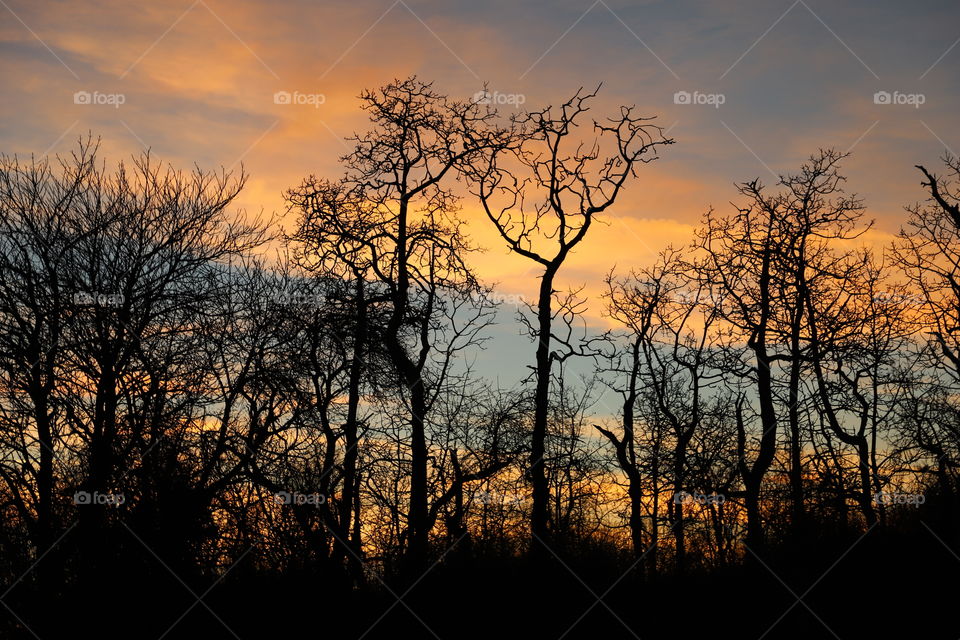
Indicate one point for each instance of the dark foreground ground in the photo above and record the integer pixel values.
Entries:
(883, 585)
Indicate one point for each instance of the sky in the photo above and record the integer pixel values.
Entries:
(747, 88)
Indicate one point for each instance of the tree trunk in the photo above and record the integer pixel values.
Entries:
(539, 516)
(351, 439)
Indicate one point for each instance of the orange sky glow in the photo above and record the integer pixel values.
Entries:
(198, 80)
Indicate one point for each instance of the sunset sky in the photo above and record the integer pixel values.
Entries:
(197, 82)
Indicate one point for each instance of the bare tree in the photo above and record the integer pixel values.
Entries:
(546, 188)
(395, 217)
(761, 264)
(117, 268)
(670, 332)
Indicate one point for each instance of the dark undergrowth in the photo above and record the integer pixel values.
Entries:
(887, 583)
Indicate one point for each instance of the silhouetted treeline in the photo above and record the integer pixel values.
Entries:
(197, 405)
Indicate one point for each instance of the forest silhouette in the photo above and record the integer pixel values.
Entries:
(214, 429)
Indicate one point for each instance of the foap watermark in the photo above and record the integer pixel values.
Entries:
(294, 299)
(95, 97)
(310, 99)
(911, 499)
(294, 497)
(682, 497)
(896, 97)
(95, 299)
(83, 498)
(711, 99)
(495, 497)
(686, 297)
(898, 298)
(485, 96)
(497, 297)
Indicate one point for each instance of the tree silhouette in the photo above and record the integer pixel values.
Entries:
(549, 183)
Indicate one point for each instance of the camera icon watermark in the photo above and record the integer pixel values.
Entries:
(110, 99)
(497, 298)
(682, 497)
(84, 498)
(496, 98)
(911, 99)
(95, 299)
(911, 499)
(495, 497)
(898, 298)
(297, 98)
(294, 299)
(686, 297)
(711, 99)
(295, 498)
